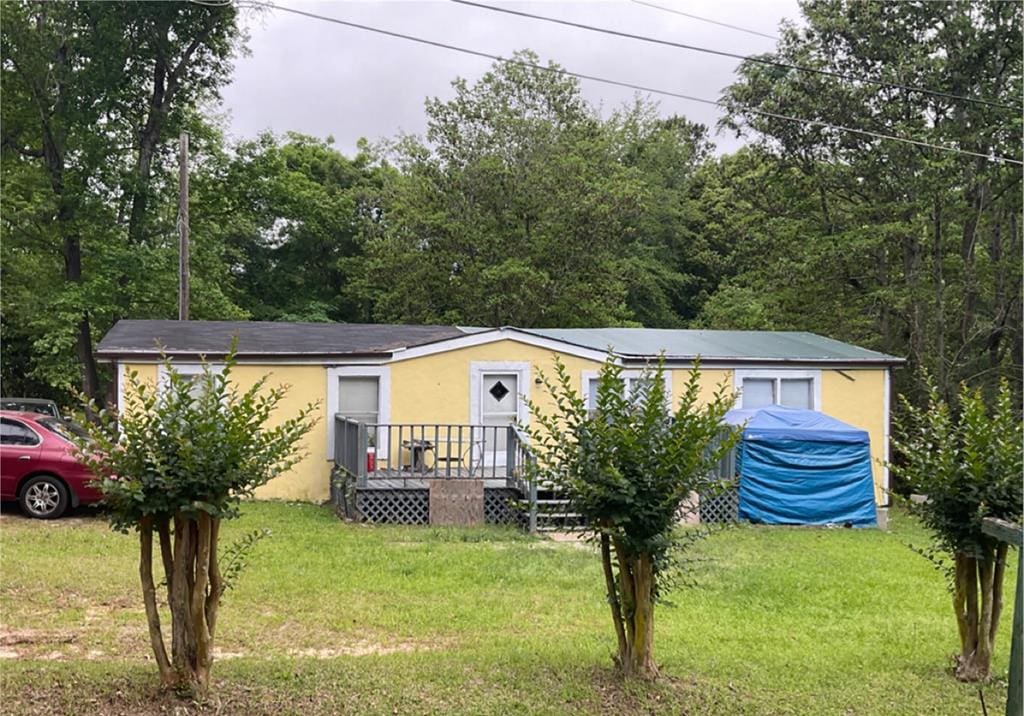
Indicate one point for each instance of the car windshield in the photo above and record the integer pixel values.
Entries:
(64, 428)
(44, 408)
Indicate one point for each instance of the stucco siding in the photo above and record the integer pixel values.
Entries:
(436, 388)
(860, 401)
(309, 479)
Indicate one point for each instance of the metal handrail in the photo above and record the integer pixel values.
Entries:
(524, 458)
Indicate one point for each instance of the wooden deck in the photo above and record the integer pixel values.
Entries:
(421, 482)
(383, 471)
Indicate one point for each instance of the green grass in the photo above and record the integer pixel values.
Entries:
(338, 618)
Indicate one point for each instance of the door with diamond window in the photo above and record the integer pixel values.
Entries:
(499, 402)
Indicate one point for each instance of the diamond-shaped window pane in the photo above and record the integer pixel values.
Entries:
(499, 391)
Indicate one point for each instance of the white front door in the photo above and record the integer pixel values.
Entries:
(499, 403)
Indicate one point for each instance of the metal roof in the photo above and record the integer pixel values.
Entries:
(797, 346)
(264, 338)
(280, 339)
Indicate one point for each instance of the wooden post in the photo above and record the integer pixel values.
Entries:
(183, 227)
(1015, 697)
(1011, 534)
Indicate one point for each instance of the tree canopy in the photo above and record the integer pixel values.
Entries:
(92, 94)
(908, 249)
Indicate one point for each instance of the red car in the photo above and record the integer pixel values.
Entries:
(38, 467)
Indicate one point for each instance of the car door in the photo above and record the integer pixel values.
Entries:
(19, 455)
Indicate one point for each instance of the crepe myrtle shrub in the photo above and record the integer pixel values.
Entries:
(965, 457)
(629, 468)
(174, 463)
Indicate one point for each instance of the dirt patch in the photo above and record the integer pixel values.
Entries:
(76, 517)
(573, 537)
(37, 644)
(364, 648)
(33, 637)
(556, 540)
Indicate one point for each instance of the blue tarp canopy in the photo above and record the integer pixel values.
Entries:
(802, 467)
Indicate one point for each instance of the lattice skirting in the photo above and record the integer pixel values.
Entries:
(402, 507)
(503, 507)
(412, 506)
(724, 507)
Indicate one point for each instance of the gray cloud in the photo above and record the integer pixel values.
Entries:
(323, 79)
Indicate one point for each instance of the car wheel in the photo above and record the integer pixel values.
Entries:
(44, 497)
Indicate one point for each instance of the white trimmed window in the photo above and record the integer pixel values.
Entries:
(361, 393)
(791, 388)
(632, 380)
(189, 372)
(359, 397)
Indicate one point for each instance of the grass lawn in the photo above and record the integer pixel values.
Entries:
(337, 618)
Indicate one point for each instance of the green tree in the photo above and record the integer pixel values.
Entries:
(910, 250)
(520, 198)
(176, 461)
(92, 92)
(287, 213)
(630, 468)
(966, 459)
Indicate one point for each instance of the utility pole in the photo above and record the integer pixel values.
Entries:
(183, 227)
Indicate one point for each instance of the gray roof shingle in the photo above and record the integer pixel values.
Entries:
(264, 338)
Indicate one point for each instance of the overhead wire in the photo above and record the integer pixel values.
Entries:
(628, 85)
(703, 19)
(736, 56)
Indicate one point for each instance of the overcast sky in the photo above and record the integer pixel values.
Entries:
(319, 78)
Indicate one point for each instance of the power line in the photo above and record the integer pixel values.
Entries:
(733, 55)
(704, 19)
(628, 85)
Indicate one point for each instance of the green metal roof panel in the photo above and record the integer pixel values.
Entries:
(716, 345)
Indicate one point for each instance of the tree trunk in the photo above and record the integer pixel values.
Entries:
(183, 648)
(194, 589)
(203, 640)
(632, 601)
(613, 595)
(978, 603)
(156, 637)
(643, 636)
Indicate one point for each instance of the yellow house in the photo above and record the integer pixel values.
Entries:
(400, 405)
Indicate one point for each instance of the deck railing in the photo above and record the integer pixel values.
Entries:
(522, 473)
(420, 451)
